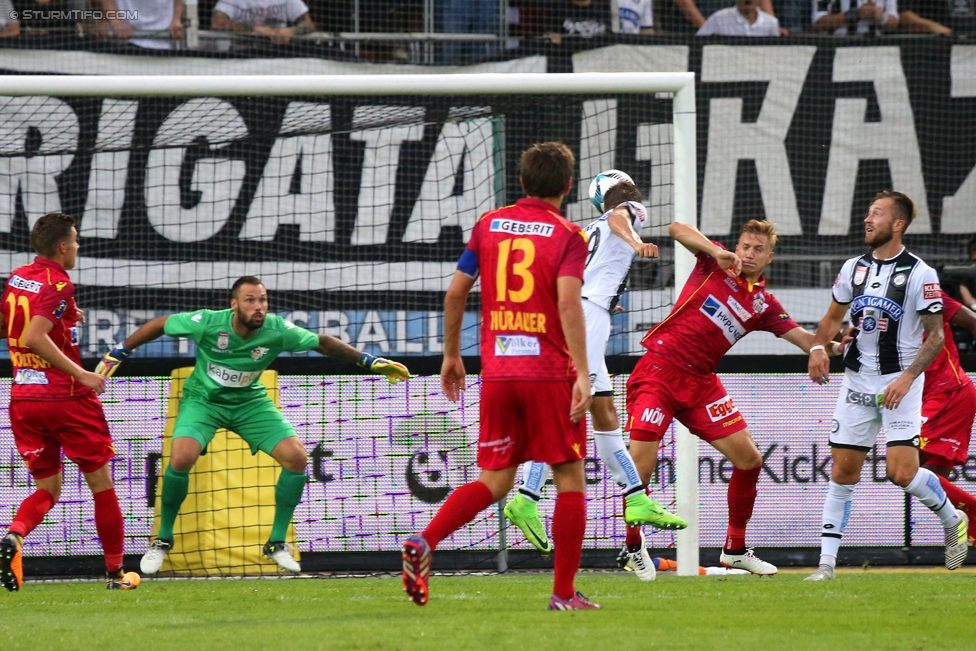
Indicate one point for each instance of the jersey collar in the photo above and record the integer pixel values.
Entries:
(888, 260)
(48, 263)
(759, 284)
(529, 202)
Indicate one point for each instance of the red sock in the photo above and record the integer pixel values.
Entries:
(633, 533)
(31, 512)
(109, 524)
(459, 509)
(742, 497)
(963, 501)
(568, 528)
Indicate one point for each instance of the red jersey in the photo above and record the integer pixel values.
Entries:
(945, 373)
(713, 312)
(520, 252)
(41, 289)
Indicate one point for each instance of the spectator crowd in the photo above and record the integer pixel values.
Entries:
(156, 24)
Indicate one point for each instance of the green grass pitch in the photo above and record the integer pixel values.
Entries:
(861, 610)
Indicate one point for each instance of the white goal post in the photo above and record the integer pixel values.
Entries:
(681, 84)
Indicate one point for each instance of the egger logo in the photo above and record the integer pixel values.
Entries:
(721, 409)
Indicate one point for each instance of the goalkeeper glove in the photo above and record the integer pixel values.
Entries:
(394, 371)
(112, 359)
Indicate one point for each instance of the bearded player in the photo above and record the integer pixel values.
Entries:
(614, 242)
(533, 398)
(225, 391)
(53, 400)
(724, 299)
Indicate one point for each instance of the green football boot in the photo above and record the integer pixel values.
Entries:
(642, 510)
(524, 514)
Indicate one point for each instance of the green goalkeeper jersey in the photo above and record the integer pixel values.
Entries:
(229, 368)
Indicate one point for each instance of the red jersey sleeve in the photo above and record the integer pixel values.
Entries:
(775, 319)
(949, 307)
(706, 263)
(574, 256)
(52, 303)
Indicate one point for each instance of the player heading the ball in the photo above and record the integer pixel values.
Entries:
(533, 398)
(896, 307)
(614, 241)
(53, 400)
(234, 347)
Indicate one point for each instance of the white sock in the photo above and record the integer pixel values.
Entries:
(534, 476)
(614, 455)
(926, 487)
(836, 512)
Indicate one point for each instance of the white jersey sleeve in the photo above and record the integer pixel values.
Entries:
(610, 257)
(843, 291)
(924, 292)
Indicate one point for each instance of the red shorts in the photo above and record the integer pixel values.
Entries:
(528, 421)
(947, 423)
(43, 429)
(658, 393)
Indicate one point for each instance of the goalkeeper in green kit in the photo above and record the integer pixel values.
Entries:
(224, 391)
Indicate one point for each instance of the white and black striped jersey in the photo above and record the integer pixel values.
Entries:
(887, 298)
(608, 262)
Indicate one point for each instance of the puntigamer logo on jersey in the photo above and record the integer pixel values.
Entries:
(718, 314)
(521, 228)
(894, 310)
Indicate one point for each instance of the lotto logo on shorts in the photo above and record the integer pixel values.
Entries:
(653, 416)
(521, 228)
(721, 409)
(930, 291)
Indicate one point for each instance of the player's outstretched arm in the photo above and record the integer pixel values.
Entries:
(693, 240)
(571, 316)
(145, 333)
(38, 339)
(931, 347)
(452, 368)
(819, 365)
(621, 223)
(338, 349)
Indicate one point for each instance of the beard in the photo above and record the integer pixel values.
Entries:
(879, 238)
(250, 324)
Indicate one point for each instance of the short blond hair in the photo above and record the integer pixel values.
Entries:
(761, 227)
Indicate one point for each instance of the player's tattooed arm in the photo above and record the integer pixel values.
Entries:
(931, 347)
(332, 347)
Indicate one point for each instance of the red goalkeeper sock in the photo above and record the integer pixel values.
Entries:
(568, 528)
(742, 498)
(963, 501)
(31, 512)
(109, 524)
(459, 509)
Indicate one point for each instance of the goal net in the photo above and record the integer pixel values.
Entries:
(351, 198)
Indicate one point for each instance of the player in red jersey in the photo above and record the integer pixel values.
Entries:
(531, 260)
(724, 299)
(948, 410)
(53, 403)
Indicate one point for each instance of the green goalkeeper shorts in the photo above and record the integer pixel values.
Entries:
(259, 422)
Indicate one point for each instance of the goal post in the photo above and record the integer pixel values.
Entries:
(200, 164)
